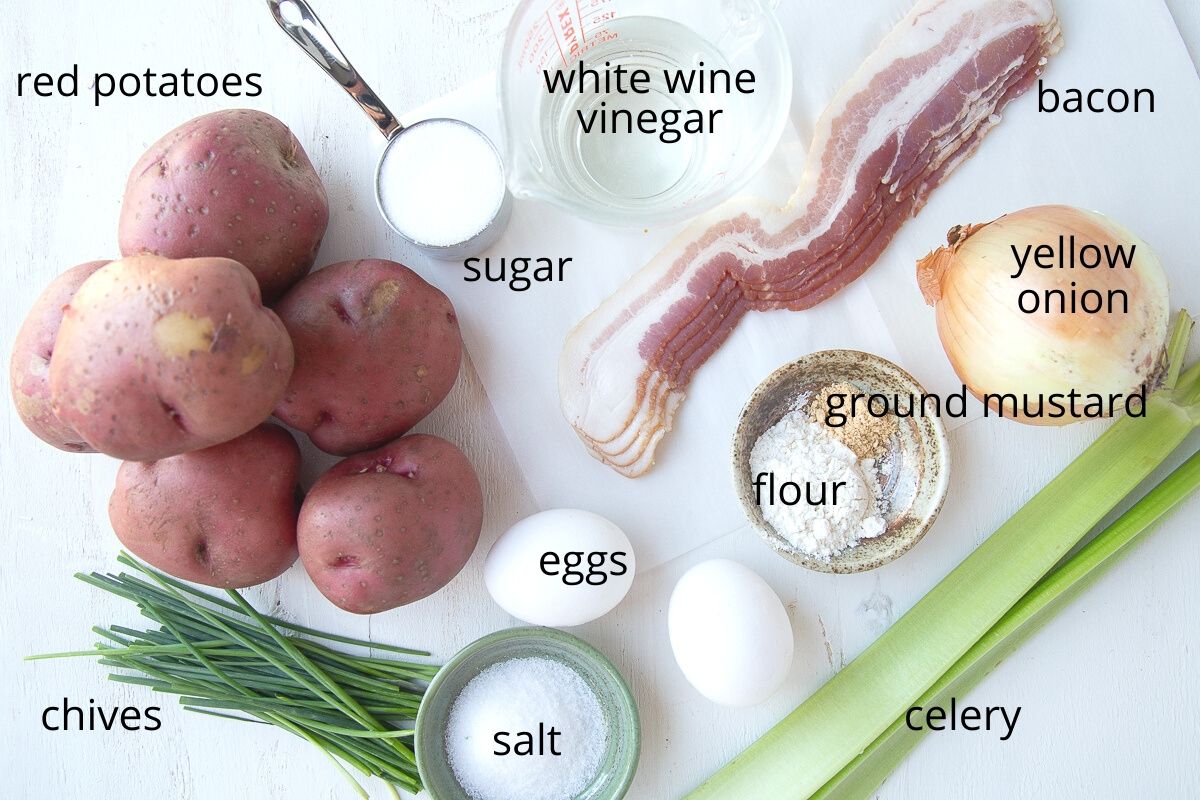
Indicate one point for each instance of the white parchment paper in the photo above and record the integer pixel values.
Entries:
(1140, 169)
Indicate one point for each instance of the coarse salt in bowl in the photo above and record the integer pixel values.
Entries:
(533, 694)
(622, 736)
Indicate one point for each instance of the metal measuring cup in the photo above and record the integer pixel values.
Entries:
(298, 21)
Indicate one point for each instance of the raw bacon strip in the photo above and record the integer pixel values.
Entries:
(918, 107)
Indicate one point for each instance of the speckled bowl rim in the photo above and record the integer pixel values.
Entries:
(556, 638)
(930, 430)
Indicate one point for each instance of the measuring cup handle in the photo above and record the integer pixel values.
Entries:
(300, 22)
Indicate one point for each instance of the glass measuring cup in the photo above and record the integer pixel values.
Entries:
(463, 204)
(636, 178)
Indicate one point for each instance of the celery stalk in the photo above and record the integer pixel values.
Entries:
(864, 774)
(845, 716)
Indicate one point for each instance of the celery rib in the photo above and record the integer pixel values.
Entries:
(866, 772)
(843, 718)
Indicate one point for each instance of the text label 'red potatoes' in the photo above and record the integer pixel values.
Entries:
(132, 84)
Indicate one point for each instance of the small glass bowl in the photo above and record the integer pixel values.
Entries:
(620, 759)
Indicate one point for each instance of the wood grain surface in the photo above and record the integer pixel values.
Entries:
(1108, 691)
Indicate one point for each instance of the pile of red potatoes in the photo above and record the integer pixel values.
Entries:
(173, 357)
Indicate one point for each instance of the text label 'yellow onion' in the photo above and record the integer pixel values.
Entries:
(1047, 304)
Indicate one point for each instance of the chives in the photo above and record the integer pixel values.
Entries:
(223, 658)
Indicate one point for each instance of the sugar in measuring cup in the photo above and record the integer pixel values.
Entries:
(609, 173)
(440, 182)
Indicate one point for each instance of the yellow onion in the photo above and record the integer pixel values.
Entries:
(998, 349)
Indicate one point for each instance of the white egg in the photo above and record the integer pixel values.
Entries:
(730, 633)
(561, 567)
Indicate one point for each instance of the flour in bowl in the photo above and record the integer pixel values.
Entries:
(812, 489)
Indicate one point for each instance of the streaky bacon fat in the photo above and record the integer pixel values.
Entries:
(917, 107)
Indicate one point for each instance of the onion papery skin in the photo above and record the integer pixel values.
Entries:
(997, 349)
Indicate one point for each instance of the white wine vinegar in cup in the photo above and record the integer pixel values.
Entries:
(625, 157)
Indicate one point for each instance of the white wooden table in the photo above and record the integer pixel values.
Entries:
(1109, 692)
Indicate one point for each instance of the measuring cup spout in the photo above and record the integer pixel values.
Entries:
(299, 21)
(526, 181)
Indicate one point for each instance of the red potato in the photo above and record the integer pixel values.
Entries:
(224, 516)
(235, 184)
(156, 357)
(388, 527)
(30, 363)
(377, 348)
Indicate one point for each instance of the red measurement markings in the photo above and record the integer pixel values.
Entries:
(550, 22)
(596, 16)
(568, 31)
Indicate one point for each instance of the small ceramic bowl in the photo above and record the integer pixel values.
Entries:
(914, 488)
(620, 759)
